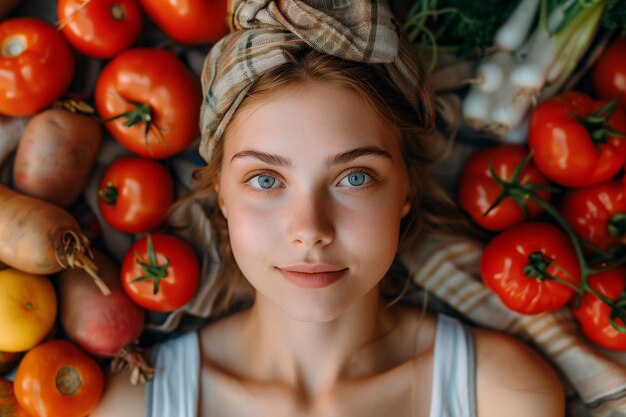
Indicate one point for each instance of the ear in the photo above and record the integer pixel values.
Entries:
(220, 201)
(406, 208)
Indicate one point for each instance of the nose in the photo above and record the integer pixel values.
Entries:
(310, 220)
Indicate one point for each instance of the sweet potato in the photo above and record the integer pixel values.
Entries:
(56, 155)
(41, 238)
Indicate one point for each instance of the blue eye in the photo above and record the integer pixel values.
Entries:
(356, 179)
(264, 182)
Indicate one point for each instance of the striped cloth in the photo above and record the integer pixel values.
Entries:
(264, 32)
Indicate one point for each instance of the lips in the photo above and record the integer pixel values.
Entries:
(313, 276)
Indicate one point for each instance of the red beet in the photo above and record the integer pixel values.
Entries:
(103, 325)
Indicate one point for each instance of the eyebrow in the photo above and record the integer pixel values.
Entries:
(353, 154)
(340, 158)
(268, 158)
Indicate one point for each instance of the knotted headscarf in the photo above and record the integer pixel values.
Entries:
(265, 32)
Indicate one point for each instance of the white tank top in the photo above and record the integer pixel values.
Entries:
(174, 390)
(454, 371)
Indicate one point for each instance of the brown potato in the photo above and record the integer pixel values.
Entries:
(56, 155)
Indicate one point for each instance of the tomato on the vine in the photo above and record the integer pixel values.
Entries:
(36, 65)
(150, 102)
(189, 21)
(594, 315)
(520, 265)
(100, 28)
(478, 190)
(56, 378)
(597, 213)
(574, 141)
(608, 76)
(160, 272)
(135, 194)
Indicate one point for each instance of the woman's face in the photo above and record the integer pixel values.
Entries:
(313, 187)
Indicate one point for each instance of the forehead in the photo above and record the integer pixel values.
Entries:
(309, 115)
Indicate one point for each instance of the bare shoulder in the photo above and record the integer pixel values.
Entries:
(120, 397)
(512, 376)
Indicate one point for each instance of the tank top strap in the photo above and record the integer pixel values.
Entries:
(174, 389)
(454, 370)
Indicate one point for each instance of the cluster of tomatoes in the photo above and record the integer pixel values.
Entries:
(557, 206)
(148, 100)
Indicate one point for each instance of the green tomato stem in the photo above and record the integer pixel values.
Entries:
(109, 194)
(537, 267)
(141, 113)
(153, 271)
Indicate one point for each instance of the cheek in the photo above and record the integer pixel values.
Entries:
(252, 232)
(373, 230)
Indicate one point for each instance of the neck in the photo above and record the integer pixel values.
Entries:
(314, 356)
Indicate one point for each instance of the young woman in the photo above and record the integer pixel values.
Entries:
(319, 177)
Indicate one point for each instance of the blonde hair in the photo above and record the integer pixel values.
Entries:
(431, 208)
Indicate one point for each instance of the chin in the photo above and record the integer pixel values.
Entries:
(314, 312)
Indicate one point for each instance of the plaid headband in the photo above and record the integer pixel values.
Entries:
(264, 32)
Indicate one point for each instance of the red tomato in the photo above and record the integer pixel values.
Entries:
(9, 407)
(478, 190)
(597, 213)
(163, 277)
(608, 76)
(135, 194)
(163, 95)
(593, 315)
(100, 28)
(56, 378)
(189, 21)
(565, 149)
(36, 65)
(510, 260)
